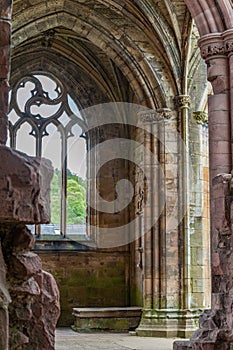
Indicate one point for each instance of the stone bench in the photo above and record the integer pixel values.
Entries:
(111, 319)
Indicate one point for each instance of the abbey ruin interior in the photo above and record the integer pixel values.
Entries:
(138, 96)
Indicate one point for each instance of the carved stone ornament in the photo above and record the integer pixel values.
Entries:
(154, 115)
(229, 46)
(182, 101)
(148, 116)
(201, 117)
(228, 40)
(165, 113)
(216, 44)
(212, 50)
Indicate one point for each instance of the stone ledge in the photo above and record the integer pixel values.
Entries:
(115, 319)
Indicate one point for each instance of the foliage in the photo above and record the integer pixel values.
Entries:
(76, 198)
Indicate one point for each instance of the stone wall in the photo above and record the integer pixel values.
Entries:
(89, 279)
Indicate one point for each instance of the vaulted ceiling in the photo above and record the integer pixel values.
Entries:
(108, 50)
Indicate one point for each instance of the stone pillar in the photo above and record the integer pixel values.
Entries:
(5, 32)
(213, 51)
(164, 312)
(4, 301)
(228, 45)
(31, 317)
(216, 325)
(183, 104)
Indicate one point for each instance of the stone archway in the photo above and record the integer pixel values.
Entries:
(214, 20)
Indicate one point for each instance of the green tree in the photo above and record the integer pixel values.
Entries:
(55, 197)
(76, 198)
(76, 202)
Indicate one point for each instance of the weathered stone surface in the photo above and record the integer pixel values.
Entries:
(34, 312)
(21, 239)
(182, 345)
(4, 301)
(5, 9)
(118, 319)
(4, 330)
(23, 266)
(46, 310)
(29, 287)
(17, 339)
(215, 331)
(4, 293)
(35, 308)
(24, 187)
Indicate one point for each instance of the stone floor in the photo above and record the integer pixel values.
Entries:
(66, 339)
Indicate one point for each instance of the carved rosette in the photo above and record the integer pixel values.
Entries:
(201, 117)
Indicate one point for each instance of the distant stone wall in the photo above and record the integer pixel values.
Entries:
(88, 279)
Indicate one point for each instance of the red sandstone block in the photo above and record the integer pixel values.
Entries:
(5, 33)
(221, 159)
(218, 102)
(182, 345)
(219, 132)
(4, 71)
(218, 118)
(5, 8)
(3, 127)
(218, 69)
(200, 18)
(205, 346)
(4, 88)
(220, 147)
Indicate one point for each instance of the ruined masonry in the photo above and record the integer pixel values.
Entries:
(29, 297)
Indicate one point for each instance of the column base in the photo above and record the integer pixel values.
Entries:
(168, 323)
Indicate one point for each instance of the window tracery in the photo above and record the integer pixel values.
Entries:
(41, 107)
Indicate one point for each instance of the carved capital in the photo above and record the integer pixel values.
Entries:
(201, 117)
(213, 49)
(182, 101)
(211, 45)
(216, 44)
(164, 113)
(228, 41)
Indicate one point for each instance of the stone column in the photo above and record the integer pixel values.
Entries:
(213, 51)
(163, 313)
(5, 36)
(183, 104)
(29, 321)
(228, 45)
(5, 31)
(216, 325)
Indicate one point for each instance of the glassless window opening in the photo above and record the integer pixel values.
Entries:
(45, 121)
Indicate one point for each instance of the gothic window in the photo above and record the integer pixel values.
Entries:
(44, 120)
